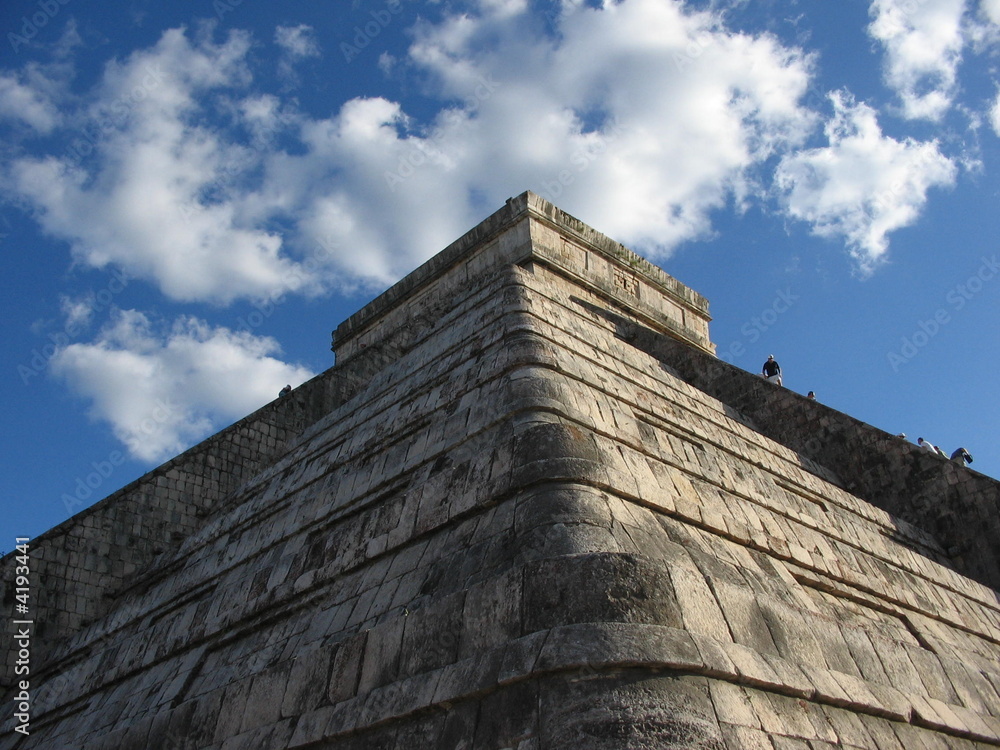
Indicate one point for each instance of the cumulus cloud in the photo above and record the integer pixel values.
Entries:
(297, 41)
(27, 104)
(163, 390)
(503, 8)
(78, 311)
(994, 115)
(641, 116)
(991, 9)
(863, 185)
(147, 187)
(923, 43)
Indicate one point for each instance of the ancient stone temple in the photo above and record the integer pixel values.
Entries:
(529, 509)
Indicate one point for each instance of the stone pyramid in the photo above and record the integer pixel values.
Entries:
(528, 508)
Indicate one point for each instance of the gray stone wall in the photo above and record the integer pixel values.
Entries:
(78, 566)
(958, 506)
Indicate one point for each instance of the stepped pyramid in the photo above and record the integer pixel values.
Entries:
(528, 508)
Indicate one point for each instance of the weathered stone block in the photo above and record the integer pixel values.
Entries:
(432, 635)
(346, 671)
(308, 682)
(628, 711)
(597, 588)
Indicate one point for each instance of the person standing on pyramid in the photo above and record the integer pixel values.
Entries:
(928, 446)
(961, 457)
(772, 370)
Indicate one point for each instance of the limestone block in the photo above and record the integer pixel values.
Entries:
(589, 646)
(308, 682)
(509, 715)
(700, 611)
(749, 667)
(790, 743)
(345, 672)
(863, 653)
(898, 667)
(791, 677)
(397, 699)
(232, 710)
(848, 728)
(744, 616)
(597, 588)
(432, 635)
(881, 732)
(473, 675)
(792, 717)
(311, 727)
(933, 677)
(492, 613)
(732, 704)
(275, 735)
(648, 712)
(554, 505)
(972, 689)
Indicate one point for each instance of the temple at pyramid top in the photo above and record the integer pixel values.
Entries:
(529, 229)
(528, 508)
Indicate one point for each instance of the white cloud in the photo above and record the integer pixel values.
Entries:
(162, 391)
(641, 117)
(163, 195)
(863, 185)
(28, 104)
(923, 41)
(503, 8)
(991, 9)
(78, 312)
(994, 115)
(297, 41)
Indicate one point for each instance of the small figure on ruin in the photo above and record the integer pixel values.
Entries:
(928, 446)
(961, 456)
(771, 370)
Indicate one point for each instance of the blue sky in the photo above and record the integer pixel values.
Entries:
(195, 194)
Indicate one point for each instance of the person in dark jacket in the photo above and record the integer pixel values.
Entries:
(772, 370)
